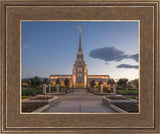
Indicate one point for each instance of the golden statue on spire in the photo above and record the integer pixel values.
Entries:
(79, 28)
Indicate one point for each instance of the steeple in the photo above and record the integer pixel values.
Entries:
(80, 49)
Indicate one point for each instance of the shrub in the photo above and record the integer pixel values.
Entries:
(120, 88)
(128, 92)
(53, 89)
(31, 92)
(24, 97)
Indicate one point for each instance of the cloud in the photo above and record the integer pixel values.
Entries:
(122, 57)
(107, 54)
(111, 54)
(134, 57)
(25, 46)
(127, 66)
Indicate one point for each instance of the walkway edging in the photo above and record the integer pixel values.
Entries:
(50, 102)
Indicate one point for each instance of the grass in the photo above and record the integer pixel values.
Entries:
(41, 98)
(128, 92)
(115, 98)
(25, 97)
(132, 97)
(128, 107)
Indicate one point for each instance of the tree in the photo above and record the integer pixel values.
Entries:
(58, 82)
(35, 81)
(136, 82)
(25, 82)
(122, 82)
(92, 83)
(66, 82)
(111, 82)
(100, 82)
(46, 81)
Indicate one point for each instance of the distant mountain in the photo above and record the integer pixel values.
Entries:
(41, 78)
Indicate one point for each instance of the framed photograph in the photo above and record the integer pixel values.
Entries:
(80, 67)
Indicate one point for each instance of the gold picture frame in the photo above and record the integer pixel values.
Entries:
(13, 11)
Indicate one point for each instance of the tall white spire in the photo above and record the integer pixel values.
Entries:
(80, 49)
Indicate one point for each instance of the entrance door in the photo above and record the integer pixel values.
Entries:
(79, 85)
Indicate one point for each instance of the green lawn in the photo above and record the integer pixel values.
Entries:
(41, 98)
(132, 97)
(25, 97)
(128, 92)
(115, 98)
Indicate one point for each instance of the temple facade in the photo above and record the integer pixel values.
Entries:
(80, 77)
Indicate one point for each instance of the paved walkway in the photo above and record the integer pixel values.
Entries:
(80, 103)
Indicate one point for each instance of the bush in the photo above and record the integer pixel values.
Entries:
(53, 89)
(31, 92)
(106, 90)
(120, 88)
(25, 97)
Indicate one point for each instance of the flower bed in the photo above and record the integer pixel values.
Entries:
(31, 107)
(38, 103)
(133, 107)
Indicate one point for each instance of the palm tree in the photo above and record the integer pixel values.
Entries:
(100, 82)
(66, 82)
(57, 81)
(92, 83)
(111, 82)
(46, 81)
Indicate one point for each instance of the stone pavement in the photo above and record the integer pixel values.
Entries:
(79, 103)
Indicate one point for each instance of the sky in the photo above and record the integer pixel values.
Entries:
(109, 47)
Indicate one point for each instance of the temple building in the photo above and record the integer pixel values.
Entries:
(79, 77)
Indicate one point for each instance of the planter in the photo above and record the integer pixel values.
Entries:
(118, 109)
(129, 107)
(60, 93)
(104, 94)
(41, 109)
(109, 101)
(46, 102)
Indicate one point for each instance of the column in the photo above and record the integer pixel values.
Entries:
(57, 88)
(49, 86)
(114, 89)
(44, 88)
(101, 88)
